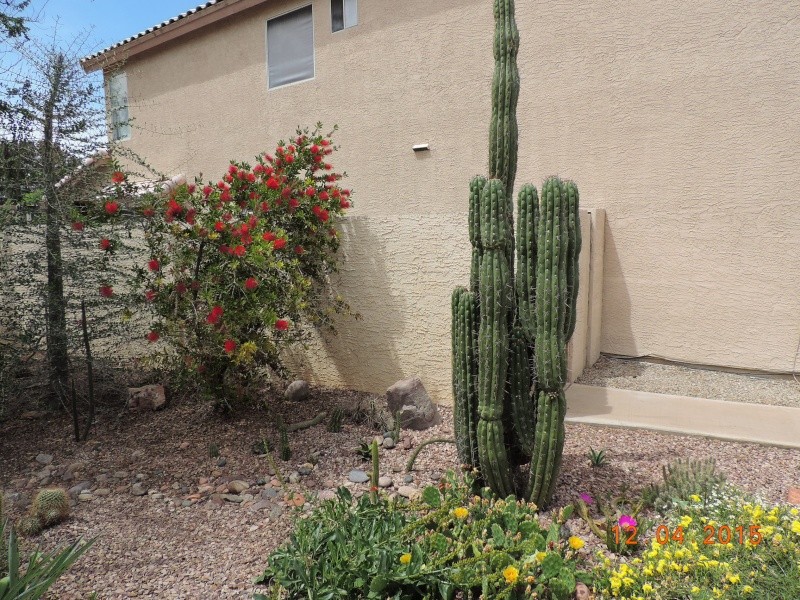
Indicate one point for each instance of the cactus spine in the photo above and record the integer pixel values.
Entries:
(508, 389)
(50, 506)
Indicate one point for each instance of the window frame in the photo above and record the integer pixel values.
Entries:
(344, 15)
(307, 4)
(114, 128)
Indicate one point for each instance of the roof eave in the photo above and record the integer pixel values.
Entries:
(162, 34)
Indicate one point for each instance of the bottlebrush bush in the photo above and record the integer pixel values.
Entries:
(236, 269)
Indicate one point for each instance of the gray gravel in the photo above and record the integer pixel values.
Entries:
(644, 376)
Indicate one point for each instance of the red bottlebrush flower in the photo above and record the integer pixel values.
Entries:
(323, 215)
(106, 291)
(323, 195)
(207, 190)
(169, 217)
(286, 192)
(149, 212)
(230, 346)
(344, 203)
(345, 192)
(112, 208)
(190, 215)
(191, 188)
(299, 250)
(105, 244)
(232, 169)
(224, 249)
(279, 150)
(314, 149)
(222, 185)
(152, 336)
(154, 265)
(118, 177)
(336, 193)
(259, 168)
(294, 203)
(240, 250)
(226, 196)
(242, 174)
(215, 315)
(291, 149)
(328, 166)
(268, 236)
(228, 178)
(272, 183)
(268, 158)
(310, 191)
(281, 324)
(264, 207)
(180, 287)
(253, 195)
(301, 139)
(150, 295)
(317, 158)
(279, 243)
(219, 226)
(251, 283)
(269, 171)
(289, 159)
(77, 226)
(315, 209)
(330, 178)
(227, 217)
(203, 232)
(252, 222)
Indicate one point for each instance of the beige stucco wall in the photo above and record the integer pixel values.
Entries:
(681, 118)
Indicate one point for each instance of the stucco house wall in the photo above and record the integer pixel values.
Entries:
(680, 118)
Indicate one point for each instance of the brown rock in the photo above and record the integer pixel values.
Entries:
(409, 400)
(237, 486)
(148, 397)
(793, 497)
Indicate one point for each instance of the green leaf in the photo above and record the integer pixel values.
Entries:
(432, 497)
(498, 535)
(551, 565)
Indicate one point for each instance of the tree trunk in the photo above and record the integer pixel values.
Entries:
(56, 303)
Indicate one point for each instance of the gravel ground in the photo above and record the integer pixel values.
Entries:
(643, 376)
(183, 540)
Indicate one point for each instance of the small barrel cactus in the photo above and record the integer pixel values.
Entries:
(51, 506)
(29, 526)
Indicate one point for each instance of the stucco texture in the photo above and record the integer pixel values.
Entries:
(681, 119)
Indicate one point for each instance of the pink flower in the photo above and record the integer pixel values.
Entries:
(273, 183)
(150, 295)
(627, 521)
(230, 346)
(112, 208)
(105, 244)
(77, 226)
(215, 315)
(281, 324)
(279, 243)
(152, 336)
(587, 499)
(251, 283)
(106, 291)
(154, 265)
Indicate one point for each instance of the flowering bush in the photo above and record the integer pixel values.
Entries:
(718, 546)
(235, 268)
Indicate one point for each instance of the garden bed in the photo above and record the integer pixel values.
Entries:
(183, 539)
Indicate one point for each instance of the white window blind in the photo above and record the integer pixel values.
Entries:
(118, 104)
(290, 47)
(344, 14)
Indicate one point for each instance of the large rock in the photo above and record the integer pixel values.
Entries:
(148, 397)
(410, 402)
(297, 390)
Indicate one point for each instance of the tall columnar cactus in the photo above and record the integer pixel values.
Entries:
(509, 389)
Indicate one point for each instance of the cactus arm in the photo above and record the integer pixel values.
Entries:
(573, 254)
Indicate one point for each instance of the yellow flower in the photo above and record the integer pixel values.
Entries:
(647, 588)
(511, 574)
(695, 590)
(576, 543)
(460, 513)
(686, 521)
(695, 498)
(796, 527)
(405, 559)
(733, 578)
(747, 590)
(615, 582)
(540, 556)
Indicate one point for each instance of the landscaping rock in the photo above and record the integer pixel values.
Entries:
(261, 505)
(357, 476)
(232, 498)
(85, 497)
(137, 489)
(102, 492)
(297, 390)
(388, 443)
(294, 477)
(81, 487)
(44, 459)
(408, 491)
(327, 494)
(408, 399)
(408, 478)
(148, 397)
(268, 492)
(238, 486)
(793, 497)
(305, 469)
(385, 482)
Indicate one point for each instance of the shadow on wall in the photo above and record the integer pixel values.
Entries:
(363, 355)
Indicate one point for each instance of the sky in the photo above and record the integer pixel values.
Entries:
(105, 21)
